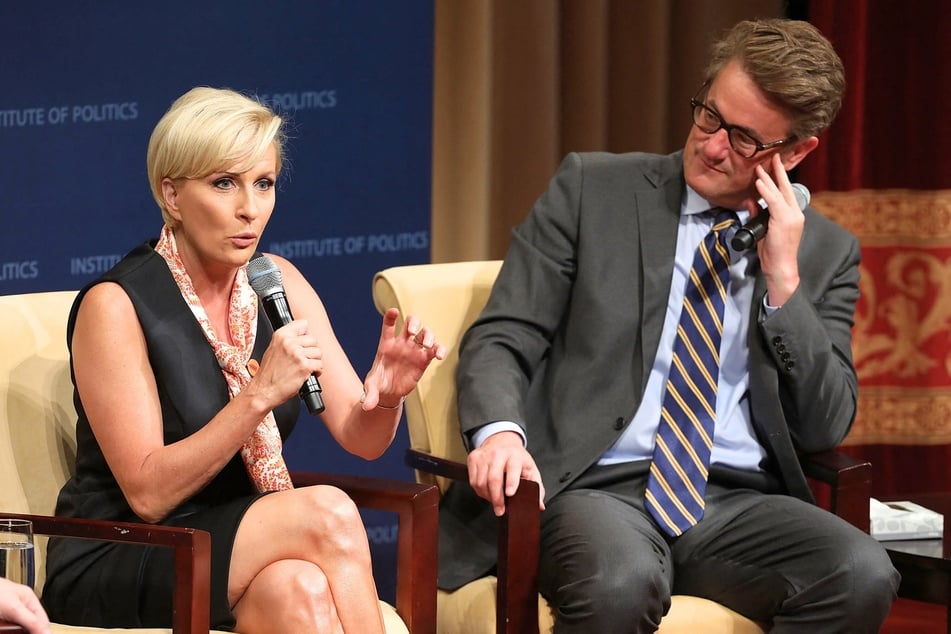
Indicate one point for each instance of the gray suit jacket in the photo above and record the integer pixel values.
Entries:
(565, 343)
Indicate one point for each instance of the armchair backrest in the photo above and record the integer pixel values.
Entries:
(37, 418)
(447, 297)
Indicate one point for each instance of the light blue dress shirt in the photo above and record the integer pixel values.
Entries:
(734, 441)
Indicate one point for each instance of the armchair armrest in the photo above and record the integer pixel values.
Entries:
(517, 590)
(850, 484)
(417, 509)
(192, 552)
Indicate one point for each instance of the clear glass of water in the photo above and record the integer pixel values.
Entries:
(16, 551)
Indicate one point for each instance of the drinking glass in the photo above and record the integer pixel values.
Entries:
(16, 550)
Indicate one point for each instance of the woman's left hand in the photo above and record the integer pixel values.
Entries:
(401, 358)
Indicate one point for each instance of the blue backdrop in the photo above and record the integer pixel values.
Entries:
(83, 84)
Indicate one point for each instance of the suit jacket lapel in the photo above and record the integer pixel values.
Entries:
(658, 214)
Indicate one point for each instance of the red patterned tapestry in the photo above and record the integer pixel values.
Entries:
(902, 339)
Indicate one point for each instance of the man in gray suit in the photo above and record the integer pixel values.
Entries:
(561, 378)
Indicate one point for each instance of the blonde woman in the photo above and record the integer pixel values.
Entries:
(185, 393)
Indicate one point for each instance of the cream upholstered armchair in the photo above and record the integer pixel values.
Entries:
(448, 297)
(37, 454)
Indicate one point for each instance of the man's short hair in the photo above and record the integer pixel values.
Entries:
(792, 63)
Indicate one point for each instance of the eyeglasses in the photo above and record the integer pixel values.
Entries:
(742, 142)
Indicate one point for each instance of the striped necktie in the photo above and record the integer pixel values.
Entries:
(678, 473)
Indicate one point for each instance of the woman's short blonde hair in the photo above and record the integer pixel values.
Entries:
(208, 130)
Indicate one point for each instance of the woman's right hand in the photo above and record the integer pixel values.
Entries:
(292, 356)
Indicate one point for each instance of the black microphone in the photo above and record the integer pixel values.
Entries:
(754, 230)
(265, 279)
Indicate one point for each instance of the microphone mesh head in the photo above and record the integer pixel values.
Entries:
(802, 195)
(264, 276)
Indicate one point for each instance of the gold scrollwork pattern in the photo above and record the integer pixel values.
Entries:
(902, 335)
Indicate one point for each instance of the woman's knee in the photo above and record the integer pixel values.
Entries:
(308, 590)
(289, 595)
(334, 520)
(331, 504)
(317, 521)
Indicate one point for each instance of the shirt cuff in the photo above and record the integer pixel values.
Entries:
(481, 434)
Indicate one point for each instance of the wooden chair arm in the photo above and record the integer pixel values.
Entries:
(517, 574)
(437, 466)
(850, 484)
(417, 510)
(192, 553)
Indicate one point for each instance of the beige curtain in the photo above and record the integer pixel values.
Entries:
(519, 83)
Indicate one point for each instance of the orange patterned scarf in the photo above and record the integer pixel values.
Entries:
(262, 451)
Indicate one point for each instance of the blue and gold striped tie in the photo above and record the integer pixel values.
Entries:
(678, 473)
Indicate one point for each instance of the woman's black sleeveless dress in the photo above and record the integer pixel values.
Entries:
(114, 585)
